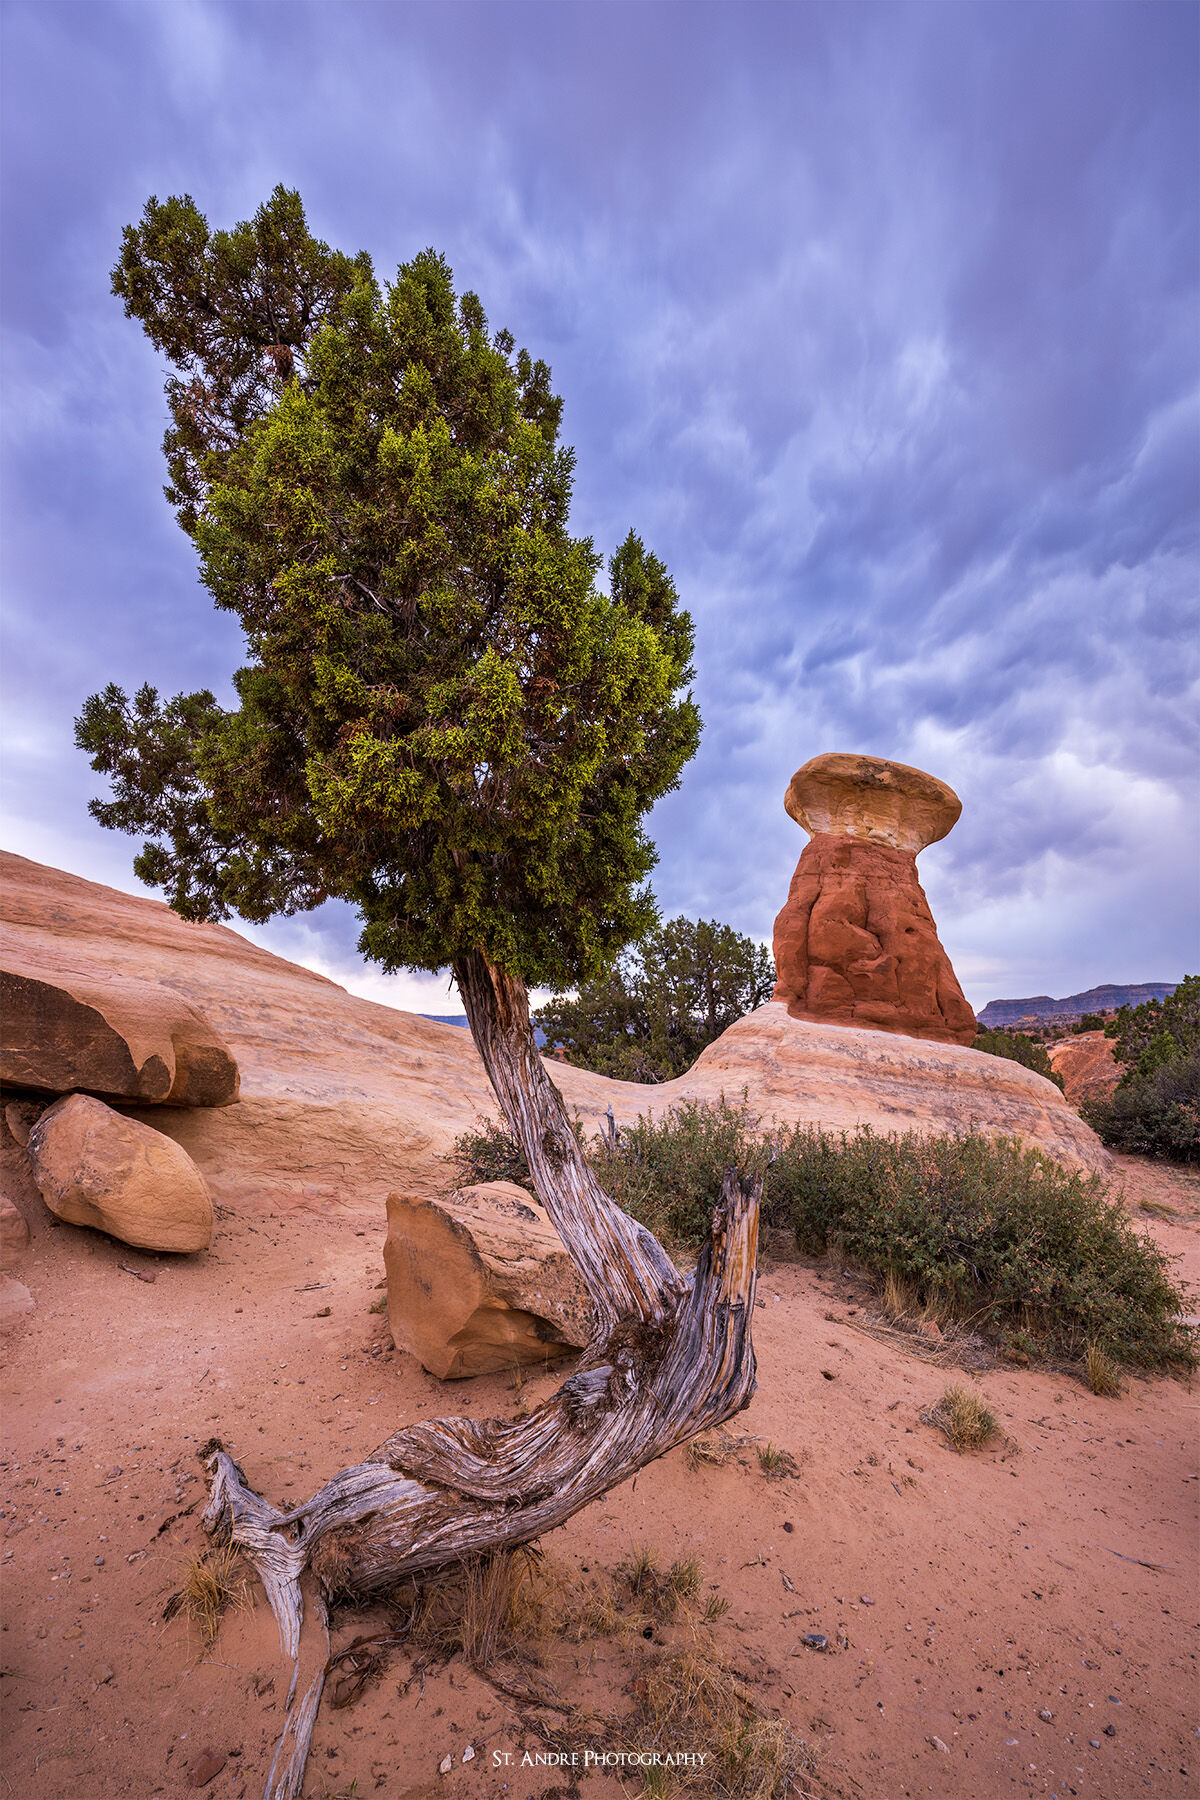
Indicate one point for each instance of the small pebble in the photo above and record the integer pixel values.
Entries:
(469, 1753)
(445, 1766)
(865, 1600)
(1110, 1731)
(1094, 1742)
(1046, 1714)
(816, 1640)
(207, 1766)
(938, 1744)
(99, 1562)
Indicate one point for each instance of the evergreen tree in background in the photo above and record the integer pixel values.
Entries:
(668, 995)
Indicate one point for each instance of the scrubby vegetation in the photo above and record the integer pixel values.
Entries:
(667, 997)
(1019, 1046)
(1155, 1109)
(1042, 1260)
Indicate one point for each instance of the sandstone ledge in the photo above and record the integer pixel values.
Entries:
(344, 1101)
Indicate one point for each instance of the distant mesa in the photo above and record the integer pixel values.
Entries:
(856, 943)
(998, 1013)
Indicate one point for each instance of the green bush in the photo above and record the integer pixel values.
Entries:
(1149, 1036)
(1156, 1107)
(978, 1227)
(1019, 1047)
(1089, 1022)
(1155, 1114)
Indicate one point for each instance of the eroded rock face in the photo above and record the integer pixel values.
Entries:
(95, 1167)
(344, 1101)
(1087, 1066)
(869, 798)
(65, 1031)
(481, 1281)
(856, 943)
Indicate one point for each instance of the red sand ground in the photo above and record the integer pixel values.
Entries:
(1055, 1573)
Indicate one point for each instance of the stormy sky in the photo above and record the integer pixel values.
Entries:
(877, 322)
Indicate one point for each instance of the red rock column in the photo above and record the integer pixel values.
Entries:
(856, 943)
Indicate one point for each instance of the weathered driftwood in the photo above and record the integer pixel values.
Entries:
(670, 1357)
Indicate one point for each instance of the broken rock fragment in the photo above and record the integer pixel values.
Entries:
(481, 1280)
(123, 1039)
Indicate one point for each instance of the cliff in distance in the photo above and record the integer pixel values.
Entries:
(998, 1013)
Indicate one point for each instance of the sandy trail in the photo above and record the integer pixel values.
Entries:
(1055, 1574)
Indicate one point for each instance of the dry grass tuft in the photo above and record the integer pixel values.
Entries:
(704, 1450)
(641, 1570)
(1158, 1209)
(484, 1609)
(963, 1418)
(213, 1581)
(682, 1581)
(689, 1697)
(501, 1613)
(899, 1299)
(774, 1462)
(1103, 1376)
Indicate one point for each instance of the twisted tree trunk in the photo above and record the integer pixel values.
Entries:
(669, 1358)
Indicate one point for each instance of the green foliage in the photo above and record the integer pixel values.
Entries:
(1157, 1114)
(1155, 1110)
(674, 991)
(1089, 1022)
(976, 1226)
(1159, 1032)
(1019, 1047)
(443, 718)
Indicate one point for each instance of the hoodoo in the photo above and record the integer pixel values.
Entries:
(856, 943)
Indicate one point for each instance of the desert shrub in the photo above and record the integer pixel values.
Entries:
(1155, 1110)
(967, 1225)
(489, 1153)
(1089, 1022)
(964, 1419)
(1153, 1114)
(667, 1172)
(1019, 1046)
(981, 1225)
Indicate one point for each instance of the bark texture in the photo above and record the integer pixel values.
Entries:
(670, 1357)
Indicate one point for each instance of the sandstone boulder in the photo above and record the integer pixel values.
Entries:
(856, 943)
(481, 1281)
(68, 1030)
(95, 1167)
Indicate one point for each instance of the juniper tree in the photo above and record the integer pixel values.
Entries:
(666, 997)
(444, 719)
